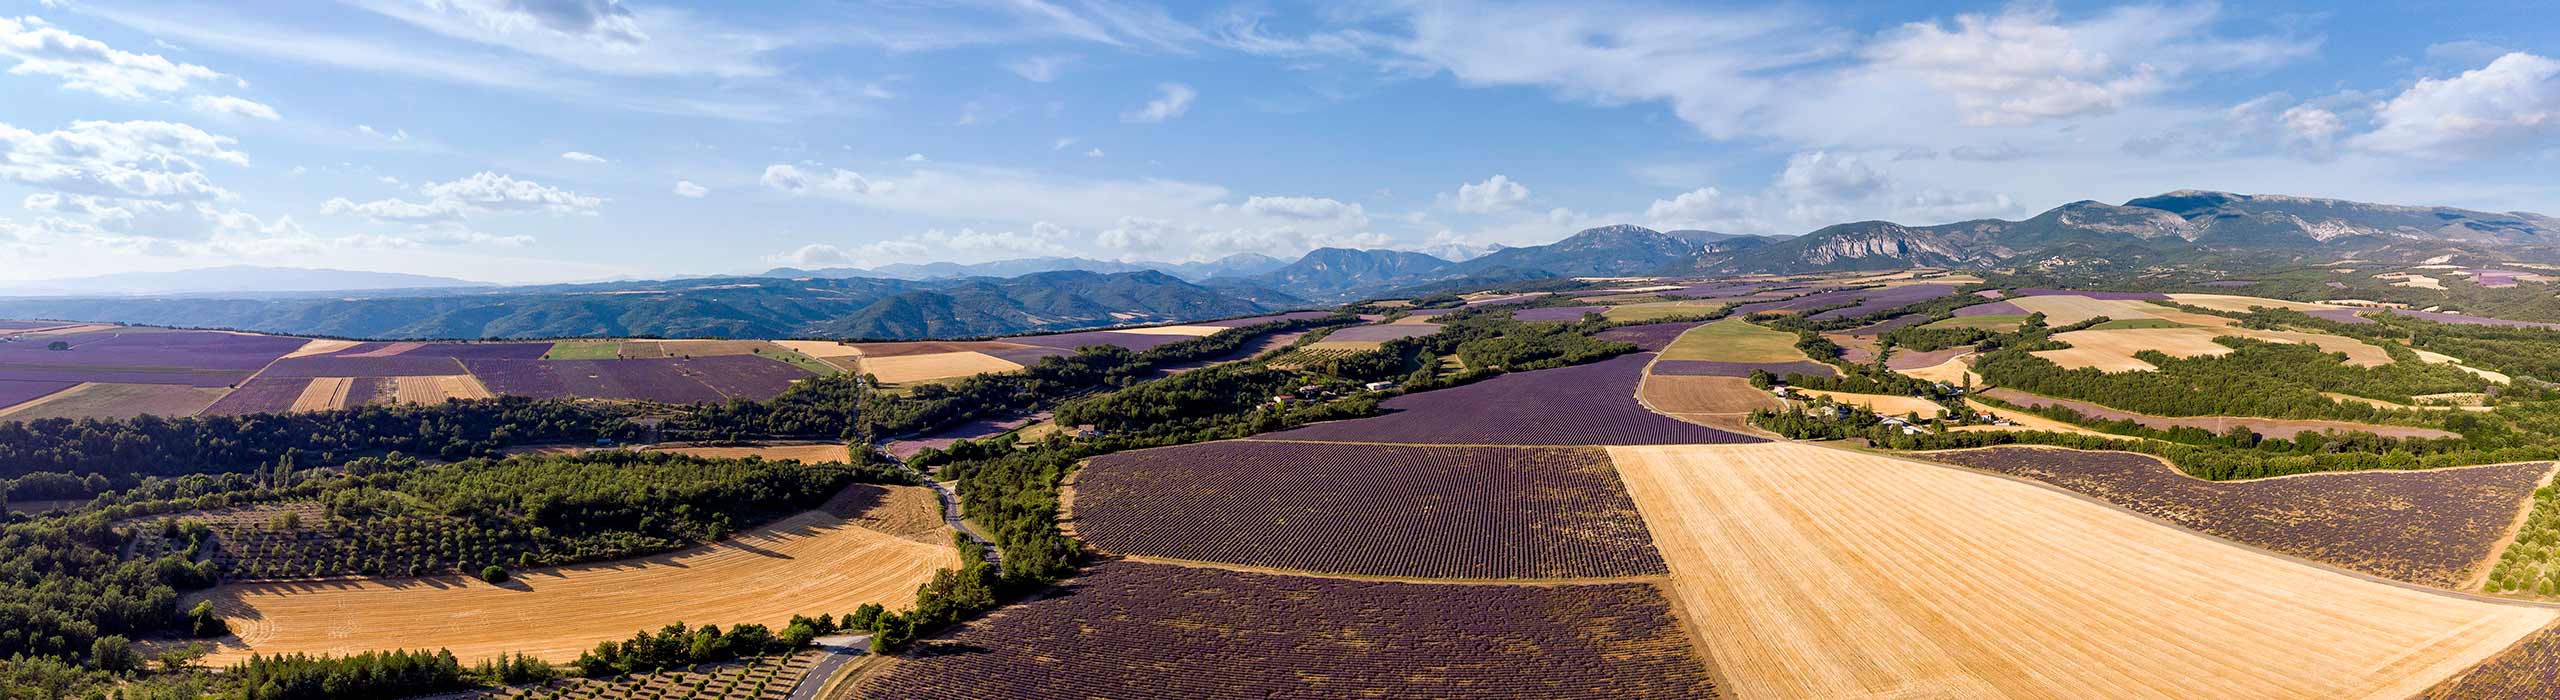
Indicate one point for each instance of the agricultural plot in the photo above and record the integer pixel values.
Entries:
(2242, 304)
(117, 401)
(1590, 404)
(347, 365)
(903, 369)
(1812, 572)
(2270, 427)
(665, 380)
(1683, 395)
(1273, 318)
(810, 563)
(260, 395)
(1651, 311)
(2114, 350)
(1312, 354)
(1734, 340)
(1883, 404)
(1873, 301)
(1556, 313)
(1136, 342)
(979, 429)
(766, 678)
(1379, 333)
(1952, 370)
(2433, 527)
(2527, 671)
(1651, 337)
(1451, 512)
(584, 350)
(13, 393)
(1916, 359)
(820, 453)
(2466, 319)
(323, 394)
(1705, 368)
(694, 348)
(433, 389)
(2022, 421)
(1131, 630)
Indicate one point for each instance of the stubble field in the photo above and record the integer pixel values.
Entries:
(1812, 572)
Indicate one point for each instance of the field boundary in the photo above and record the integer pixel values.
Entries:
(2480, 579)
(1656, 579)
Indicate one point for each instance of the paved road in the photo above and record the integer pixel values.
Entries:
(951, 514)
(840, 650)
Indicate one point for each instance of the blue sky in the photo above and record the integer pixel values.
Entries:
(552, 140)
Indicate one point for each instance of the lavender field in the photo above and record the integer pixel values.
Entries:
(1070, 341)
(344, 365)
(260, 395)
(668, 380)
(2468, 320)
(14, 392)
(2111, 296)
(1556, 313)
(1258, 320)
(1711, 368)
(1382, 333)
(1650, 337)
(1132, 630)
(1874, 301)
(142, 356)
(1591, 404)
(1450, 512)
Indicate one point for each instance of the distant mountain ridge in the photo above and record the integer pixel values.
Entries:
(1239, 264)
(708, 307)
(234, 279)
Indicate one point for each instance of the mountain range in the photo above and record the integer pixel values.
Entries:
(943, 300)
(235, 279)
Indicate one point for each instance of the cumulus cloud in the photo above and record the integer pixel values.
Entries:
(2025, 64)
(914, 158)
(1095, 152)
(836, 182)
(1493, 194)
(1172, 100)
(90, 65)
(583, 157)
(148, 160)
(2514, 101)
(483, 193)
(232, 106)
(1704, 208)
(686, 189)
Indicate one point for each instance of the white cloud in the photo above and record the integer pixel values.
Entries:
(583, 157)
(837, 182)
(1138, 234)
(1704, 208)
(232, 106)
(686, 189)
(1062, 144)
(1095, 152)
(602, 36)
(2512, 102)
(1172, 100)
(914, 158)
(395, 135)
(2025, 64)
(1493, 194)
(1039, 69)
(1307, 209)
(482, 193)
(1822, 175)
(90, 65)
(147, 160)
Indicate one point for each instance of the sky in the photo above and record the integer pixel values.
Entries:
(521, 141)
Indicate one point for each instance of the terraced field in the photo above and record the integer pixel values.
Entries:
(1811, 572)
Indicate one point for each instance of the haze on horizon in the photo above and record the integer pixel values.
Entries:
(531, 142)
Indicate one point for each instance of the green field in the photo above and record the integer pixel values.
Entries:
(1660, 310)
(1734, 340)
(804, 362)
(585, 350)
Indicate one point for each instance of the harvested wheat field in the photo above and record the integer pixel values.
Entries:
(1678, 395)
(437, 388)
(320, 346)
(810, 563)
(821, 349)
(2066, 309)
(2113, 350)
(1734, 340)
(324, 394)
(1953, 371)
(1817, 573)
(901, 369)
(2021, 420)
(1882, 404)
(805, 454)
